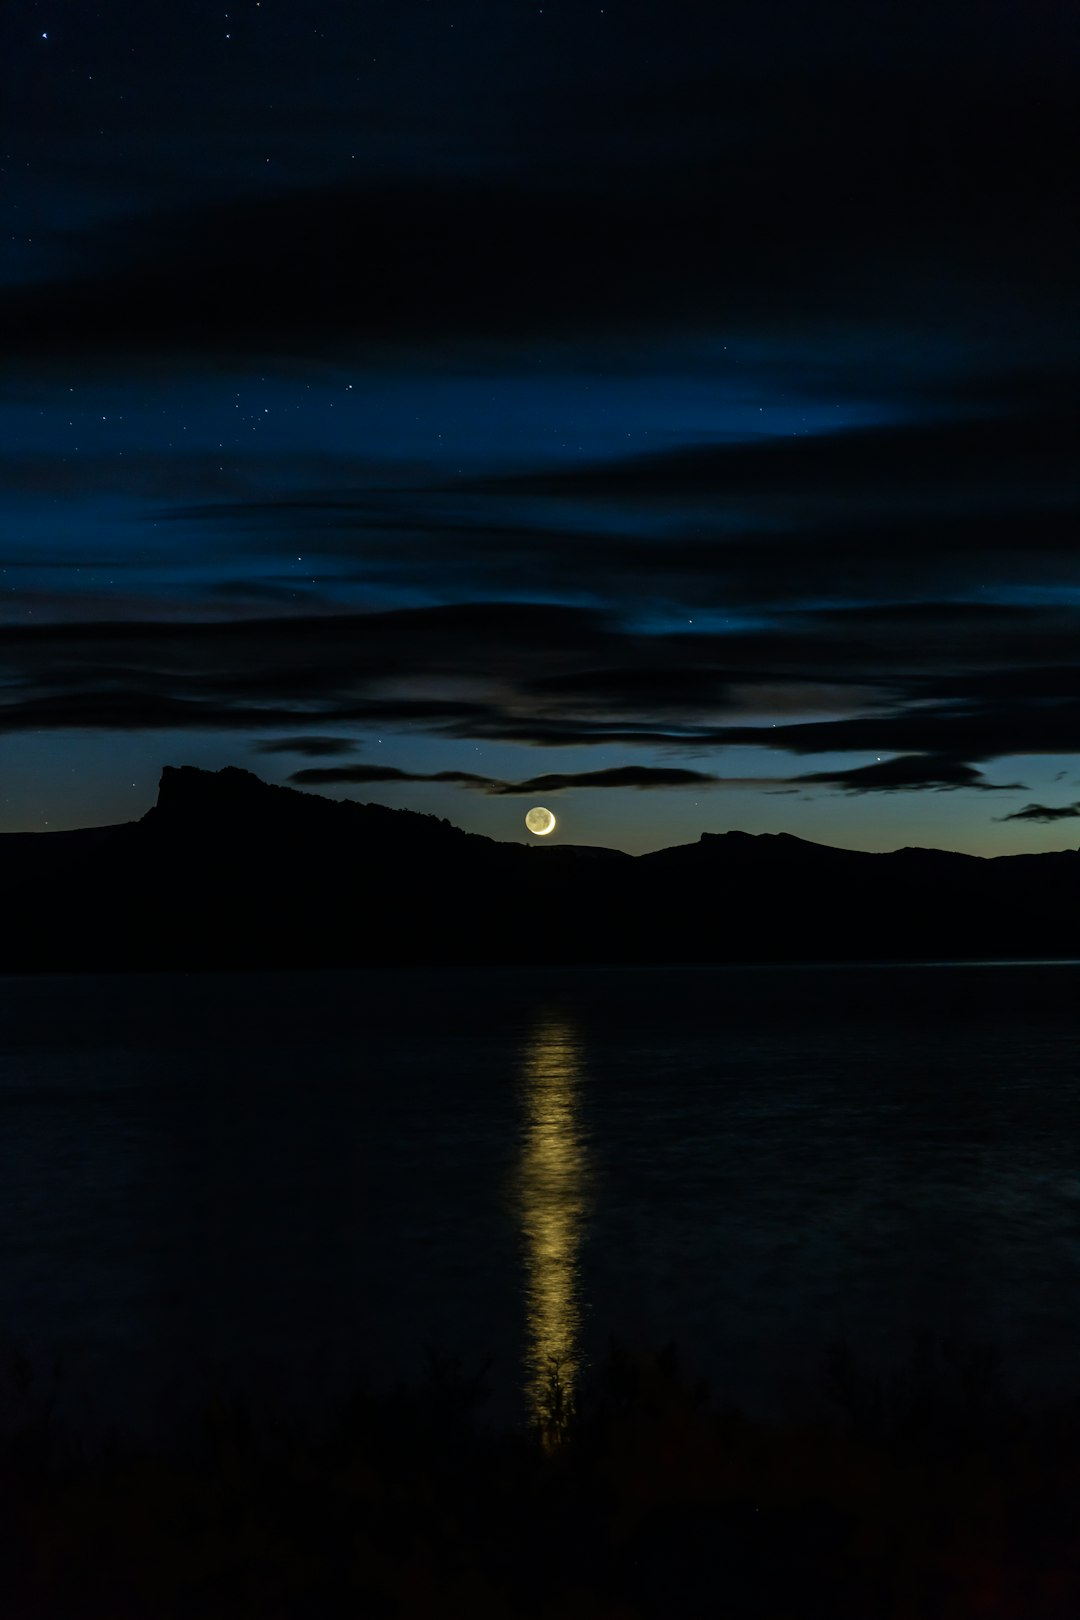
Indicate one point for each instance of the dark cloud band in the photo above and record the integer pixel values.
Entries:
(1044, 813)
(628, 776)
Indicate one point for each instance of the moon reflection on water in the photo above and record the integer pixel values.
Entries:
(553, 1200)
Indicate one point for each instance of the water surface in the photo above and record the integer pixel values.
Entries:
(283, 1174)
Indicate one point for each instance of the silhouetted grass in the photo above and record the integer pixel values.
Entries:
(926, 1495)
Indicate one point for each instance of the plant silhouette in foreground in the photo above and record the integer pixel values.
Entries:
(927, 1494)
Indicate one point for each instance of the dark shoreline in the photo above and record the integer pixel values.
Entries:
(228, 871)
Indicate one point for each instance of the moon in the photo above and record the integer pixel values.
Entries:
(540, 821)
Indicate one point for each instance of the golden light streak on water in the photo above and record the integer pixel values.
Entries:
(553, 1180)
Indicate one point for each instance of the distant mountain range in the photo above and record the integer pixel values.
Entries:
(228, 871)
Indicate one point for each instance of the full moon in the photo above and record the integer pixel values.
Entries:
(540, 821)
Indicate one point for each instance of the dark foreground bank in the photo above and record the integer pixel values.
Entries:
(929, 1496)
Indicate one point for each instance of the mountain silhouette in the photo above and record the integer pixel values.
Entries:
(229, 871)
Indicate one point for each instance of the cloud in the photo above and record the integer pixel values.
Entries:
(620, 776)
(945, 686)
(315, 272)
(1043, 812)
(625, 776)
(907, 771)
(941, 730)
(897, 516)
(363, 775)
(396, 667)
(957, 453)
(312, 747)
(803, 183)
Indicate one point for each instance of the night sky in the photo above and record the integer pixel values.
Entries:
(659, 411)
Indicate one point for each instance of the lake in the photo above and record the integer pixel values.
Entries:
(287, 1176)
